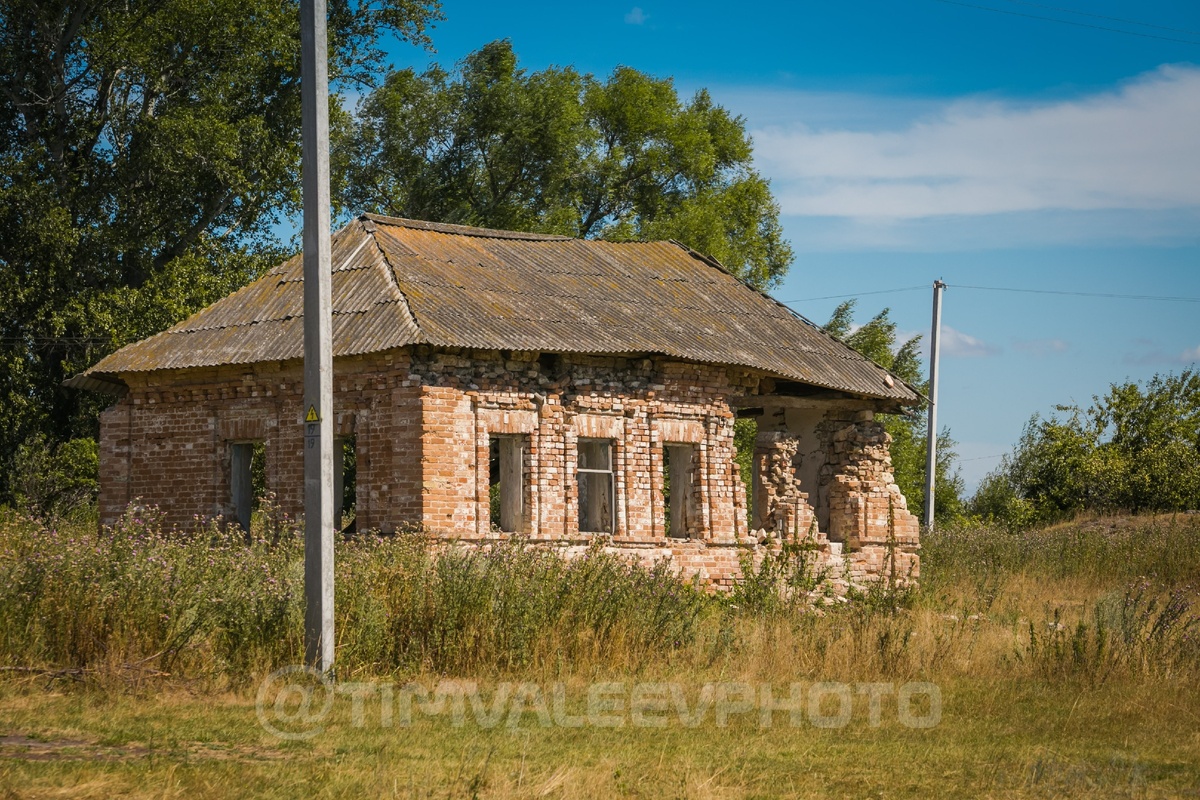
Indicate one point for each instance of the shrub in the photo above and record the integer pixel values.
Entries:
(1136, 449)
(782, 581)
(55, 480)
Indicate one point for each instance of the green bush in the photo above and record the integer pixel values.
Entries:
(55, 481)
(1136, 449)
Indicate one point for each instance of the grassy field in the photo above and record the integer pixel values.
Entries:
(1067, 663)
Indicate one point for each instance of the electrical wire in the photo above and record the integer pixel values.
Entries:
(1101, 16)
(1107, 295)
(1069, 22)
(855, 294)
(1169, 298)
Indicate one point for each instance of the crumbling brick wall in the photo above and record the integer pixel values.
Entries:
(867, 511)
(423, 418)
(825, 476)
(784, 505)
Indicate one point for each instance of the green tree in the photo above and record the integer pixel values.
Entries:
(1151, 458)
(877, 341)
(147, 149)
(53, 480)
(1134, 449)
(560, 152)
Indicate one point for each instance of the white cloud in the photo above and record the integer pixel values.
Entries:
(1152, 352)
(956, 344)
(635, 16)
(1047, 228)
(1041, 347)
(1130, 148)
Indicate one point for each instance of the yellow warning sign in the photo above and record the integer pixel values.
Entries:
(312, 415)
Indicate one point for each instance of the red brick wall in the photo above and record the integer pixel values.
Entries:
(640, 404)
(115, 461)
(167, 441)
(423, 420)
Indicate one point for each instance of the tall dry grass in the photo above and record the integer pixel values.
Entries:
(1092, 601)
(214, 602)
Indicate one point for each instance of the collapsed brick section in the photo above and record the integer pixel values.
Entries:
(423, 419)
(866, 509)
(824, 476)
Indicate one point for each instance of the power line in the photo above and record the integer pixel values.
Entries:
(1069, 22)
(980, 458)
(35, 337)
(52, 340)
(1101, 16)
(855, 294)
(1108, 295)
(1169, 298)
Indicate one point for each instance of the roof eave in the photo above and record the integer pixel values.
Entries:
(103, 382)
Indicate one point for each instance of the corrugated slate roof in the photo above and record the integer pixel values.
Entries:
(401, 282)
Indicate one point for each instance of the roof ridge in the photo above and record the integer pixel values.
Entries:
(368, 225)
(563, 295)
(464, 230)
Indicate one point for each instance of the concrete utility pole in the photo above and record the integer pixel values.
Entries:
(318, 349)
(935, 343)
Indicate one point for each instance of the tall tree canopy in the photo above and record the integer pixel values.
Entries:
(877, 341)
(1135, 449)
(560, 152)
(146, 151)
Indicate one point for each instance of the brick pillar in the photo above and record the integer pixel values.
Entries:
(115, 453)
(862, 489)
(726, 504)
(449, 456)
(551, 477)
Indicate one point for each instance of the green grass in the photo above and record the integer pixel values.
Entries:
(1067, 660)
(1007, 738)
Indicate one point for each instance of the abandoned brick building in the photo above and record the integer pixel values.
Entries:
(596, 383)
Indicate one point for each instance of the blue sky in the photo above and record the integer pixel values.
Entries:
(919, 139)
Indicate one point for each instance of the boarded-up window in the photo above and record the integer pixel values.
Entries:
(506, 479)
(596, 486)
(679, 485)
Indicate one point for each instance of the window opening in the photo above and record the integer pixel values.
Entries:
(596, 486)
(248, 483)
(506, 482)
(345, 489)
(678, 485)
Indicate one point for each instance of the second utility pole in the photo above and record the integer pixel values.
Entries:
(935, 337)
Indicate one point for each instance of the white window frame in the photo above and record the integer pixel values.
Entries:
(612, 483)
